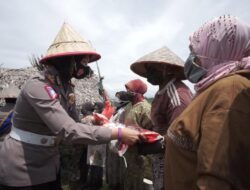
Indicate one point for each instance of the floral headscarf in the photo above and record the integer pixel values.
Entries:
(223, 47)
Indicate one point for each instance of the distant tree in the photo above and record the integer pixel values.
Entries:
(149, 99)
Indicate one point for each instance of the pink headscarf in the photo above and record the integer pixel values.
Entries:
(223, 46)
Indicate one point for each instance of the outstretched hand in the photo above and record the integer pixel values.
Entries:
(128, 136)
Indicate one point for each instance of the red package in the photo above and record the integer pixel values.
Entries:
(108, 110)
(151, 136)
(100, 119)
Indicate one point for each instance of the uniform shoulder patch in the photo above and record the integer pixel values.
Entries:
(51, 92)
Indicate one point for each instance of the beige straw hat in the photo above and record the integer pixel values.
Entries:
(10, 92)
(69, 43)
(162, 56)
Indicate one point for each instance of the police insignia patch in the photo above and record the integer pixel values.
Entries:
(52, 94)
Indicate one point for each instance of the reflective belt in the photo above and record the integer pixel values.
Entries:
(32, 138)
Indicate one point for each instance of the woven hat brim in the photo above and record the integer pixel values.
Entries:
(140, 68)
(93, 56)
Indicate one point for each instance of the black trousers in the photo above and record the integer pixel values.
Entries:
(54, 185)
(95, 177)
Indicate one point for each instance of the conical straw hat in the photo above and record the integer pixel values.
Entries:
(68, 43)
(10, 92)
(162, 56)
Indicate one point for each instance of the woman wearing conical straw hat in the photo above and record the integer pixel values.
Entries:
(165, 69)
(45, 115)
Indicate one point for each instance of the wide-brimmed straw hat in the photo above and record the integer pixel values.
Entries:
(69, 43)
(162, 56)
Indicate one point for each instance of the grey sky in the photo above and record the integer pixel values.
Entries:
(121, 31)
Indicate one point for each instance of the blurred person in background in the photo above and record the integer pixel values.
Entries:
(115, 166)
(137, 114)
(9, 94)
(96, 154)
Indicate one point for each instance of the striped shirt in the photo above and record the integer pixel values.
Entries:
(168, 103)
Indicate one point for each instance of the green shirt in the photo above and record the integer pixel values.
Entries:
(138, 114)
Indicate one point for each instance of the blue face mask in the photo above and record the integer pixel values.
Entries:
(193, 71)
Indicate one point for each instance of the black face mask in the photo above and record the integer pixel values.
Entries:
(130, 96)
(81, 71)
(193, 71)
(64, 68)
(123, 96)
(154, 79)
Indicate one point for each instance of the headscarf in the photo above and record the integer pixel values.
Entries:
(138, 87)
(223, 47)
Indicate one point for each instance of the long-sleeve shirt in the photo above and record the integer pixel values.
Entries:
(168, 103)
(43, 108)
(208, 145)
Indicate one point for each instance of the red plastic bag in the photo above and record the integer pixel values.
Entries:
(106, 114)
(151, 136)
(100, 119)
(108, 110)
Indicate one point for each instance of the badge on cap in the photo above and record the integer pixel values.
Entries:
(52, 94)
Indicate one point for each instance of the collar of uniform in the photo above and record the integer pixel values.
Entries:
(39, 75)
(52, 75)
(160, 92)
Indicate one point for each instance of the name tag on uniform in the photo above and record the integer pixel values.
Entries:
(52, 94)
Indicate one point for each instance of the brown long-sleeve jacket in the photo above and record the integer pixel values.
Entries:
(208, 145)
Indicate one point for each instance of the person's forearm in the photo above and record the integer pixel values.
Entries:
(87, 134)
(114, 133)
